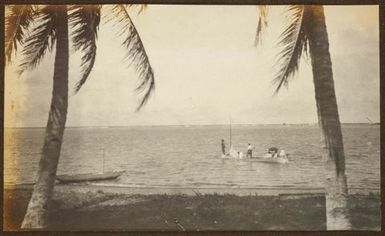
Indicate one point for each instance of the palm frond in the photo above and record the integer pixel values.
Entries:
(294, 41)
(142, 7)
(136, 53)
(17, 21)
(41, 39)
(85, 19)
(262, 24)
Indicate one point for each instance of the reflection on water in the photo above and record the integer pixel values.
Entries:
(190, 156)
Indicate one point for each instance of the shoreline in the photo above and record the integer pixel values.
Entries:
(193, 125)
(173, 190)
(190, 191)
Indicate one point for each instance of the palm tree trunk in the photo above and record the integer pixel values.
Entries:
(337, 213)
(37, 211)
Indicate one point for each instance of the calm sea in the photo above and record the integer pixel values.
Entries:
(175, 156)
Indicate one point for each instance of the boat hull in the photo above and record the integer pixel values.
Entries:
(89, 177)
(278, 160)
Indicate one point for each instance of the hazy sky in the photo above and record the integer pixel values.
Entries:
(207, 70)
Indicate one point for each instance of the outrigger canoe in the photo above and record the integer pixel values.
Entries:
(89, 177)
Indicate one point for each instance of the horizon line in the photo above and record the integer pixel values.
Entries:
(149, 125)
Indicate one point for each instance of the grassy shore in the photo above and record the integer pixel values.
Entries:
(100, 210)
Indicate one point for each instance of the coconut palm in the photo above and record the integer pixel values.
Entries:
(38, 29)
(306, 33)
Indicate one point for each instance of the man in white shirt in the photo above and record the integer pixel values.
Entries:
(249, 151)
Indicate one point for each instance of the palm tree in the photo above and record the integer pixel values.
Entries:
(38, 29)
(306, 32)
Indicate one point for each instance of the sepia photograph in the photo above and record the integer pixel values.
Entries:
(132, 117)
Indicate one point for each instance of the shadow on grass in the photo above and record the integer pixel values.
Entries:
(103, 211)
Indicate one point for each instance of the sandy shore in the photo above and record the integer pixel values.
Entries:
(85, 207)
(116, 189)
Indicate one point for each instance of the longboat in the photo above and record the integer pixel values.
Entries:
(86, 177)
(89, 177)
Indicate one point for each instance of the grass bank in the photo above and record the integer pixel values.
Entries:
(99, 210)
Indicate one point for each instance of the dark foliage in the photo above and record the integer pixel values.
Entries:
(84, 20)
(17, 22)
(41, 38)
(294, 42)
(136, 53)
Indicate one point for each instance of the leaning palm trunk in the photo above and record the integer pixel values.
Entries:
(337, 213)
(37, 211)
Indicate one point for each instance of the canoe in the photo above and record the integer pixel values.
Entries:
(89, 177)
(278, 160)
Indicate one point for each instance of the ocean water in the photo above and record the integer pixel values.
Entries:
(189, 157)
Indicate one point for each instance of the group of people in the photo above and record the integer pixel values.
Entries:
(272, 152)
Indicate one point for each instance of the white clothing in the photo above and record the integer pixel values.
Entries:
(233, 153)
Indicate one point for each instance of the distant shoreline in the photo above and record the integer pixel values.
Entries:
(185, 126)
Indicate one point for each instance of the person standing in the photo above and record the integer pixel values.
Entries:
(249, 151)
(223, 147)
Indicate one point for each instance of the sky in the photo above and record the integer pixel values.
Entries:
(206, 71)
